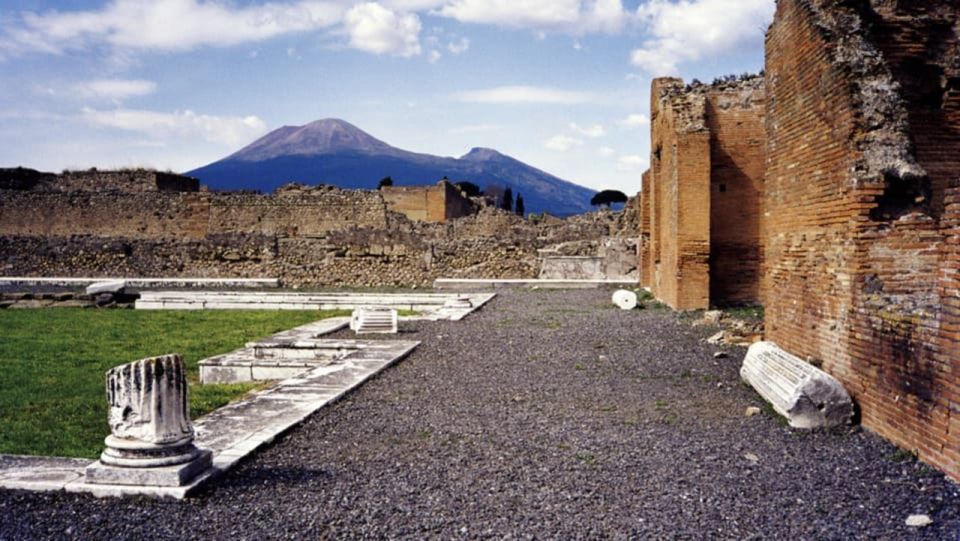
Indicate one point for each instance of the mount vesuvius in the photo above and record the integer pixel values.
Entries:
(333, 151)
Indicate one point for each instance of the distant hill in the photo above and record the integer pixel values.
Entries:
(333, 151)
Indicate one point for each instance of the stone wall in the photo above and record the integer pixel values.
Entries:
(316, 236)
(124, 180)
(701, 198)
(861, 200)
(438, 203)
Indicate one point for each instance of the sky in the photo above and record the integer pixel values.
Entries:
(563, 85)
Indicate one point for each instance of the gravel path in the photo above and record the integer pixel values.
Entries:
(546, 414)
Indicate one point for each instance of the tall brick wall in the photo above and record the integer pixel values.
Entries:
(859, 236)
(919, 42)
(645, 267)
(735, 118)
(701, 237)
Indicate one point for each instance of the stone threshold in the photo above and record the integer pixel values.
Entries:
(141, 282)
(541, 283)
(435, 306)
(232, 432)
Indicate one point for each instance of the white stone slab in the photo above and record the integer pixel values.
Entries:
(110, 286)
(142, 282)
(461, 284)
(433, 306)
(807, 396)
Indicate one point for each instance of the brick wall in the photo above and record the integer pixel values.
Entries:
(860, 241)
(735, 118)
(701, 238)
(645, 267)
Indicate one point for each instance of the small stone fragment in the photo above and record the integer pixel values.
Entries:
(717, 338)
(720, 355)
(919, 521)
(710, 317)
(751, 457)
(751, 411)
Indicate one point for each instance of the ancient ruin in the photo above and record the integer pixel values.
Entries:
(862, 208)
(318, 236)
(151, 440)
(700, 230)
(849, 225)
(806, 396)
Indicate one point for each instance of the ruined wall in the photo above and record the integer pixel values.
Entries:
(134, 215)
(680, 184)
(292, 212)
(124, 180)
(860, 239)
(701, 234)
(438, 203)
(317, 236)
(735, 118)
(296, 211)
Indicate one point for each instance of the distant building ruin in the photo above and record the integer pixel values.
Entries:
(139, 223)
(438, 203)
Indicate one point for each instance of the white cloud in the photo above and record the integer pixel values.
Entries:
(524, 94)
(459, 46)
(114, 89)
(590, 131)
(230, 131)
(605, 152)
(434, 56)
(561, 143)
(691, 30)
(376, 29)
(631, 163)
(172, 25)
(570, 16)
(476, 128)
(413, 5)
(635, 120)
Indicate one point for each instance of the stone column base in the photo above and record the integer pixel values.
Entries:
(176, 475)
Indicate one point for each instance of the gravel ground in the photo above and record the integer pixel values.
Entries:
(546, 414)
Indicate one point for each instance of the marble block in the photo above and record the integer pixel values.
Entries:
(807, 396)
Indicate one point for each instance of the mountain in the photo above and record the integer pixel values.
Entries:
(332, 151)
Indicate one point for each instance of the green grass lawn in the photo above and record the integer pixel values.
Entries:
(53, 363)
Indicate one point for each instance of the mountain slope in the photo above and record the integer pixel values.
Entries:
(333, 151)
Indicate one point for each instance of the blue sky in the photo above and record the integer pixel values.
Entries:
(175, 84)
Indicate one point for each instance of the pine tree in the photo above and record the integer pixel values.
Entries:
(507, 200)
(520, 209)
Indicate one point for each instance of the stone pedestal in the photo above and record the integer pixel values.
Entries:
(374, 320)
(151, 440)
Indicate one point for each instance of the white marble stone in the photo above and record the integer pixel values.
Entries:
(374, 321)
(151, 437)
(109, 286)
(624, 299)
(807, 396)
